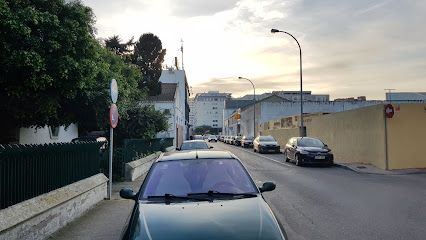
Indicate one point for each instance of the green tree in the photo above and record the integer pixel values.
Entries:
(149, 55)
(115, 44)
(143, 122)
(47, 56)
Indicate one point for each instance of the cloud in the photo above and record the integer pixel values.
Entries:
(195, 8)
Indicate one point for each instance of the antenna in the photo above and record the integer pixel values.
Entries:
(181, 49)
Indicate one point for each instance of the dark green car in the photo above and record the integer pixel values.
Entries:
(200, 195)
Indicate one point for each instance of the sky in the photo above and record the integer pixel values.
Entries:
(349, 48)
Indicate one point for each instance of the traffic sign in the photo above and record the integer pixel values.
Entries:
(113, 115)
(114, 91)
(389, 111)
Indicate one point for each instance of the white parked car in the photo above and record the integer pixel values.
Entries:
(212, 138)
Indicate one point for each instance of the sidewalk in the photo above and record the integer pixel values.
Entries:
(105, 220)
(370, 169)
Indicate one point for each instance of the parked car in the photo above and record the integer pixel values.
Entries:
(206, 136)
(212, 138)
(306, 150)
(232, 140)
(247, 141)
(193, 144)
(193, 195)
(237, 141)
(264, 144)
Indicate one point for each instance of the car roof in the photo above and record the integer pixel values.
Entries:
(188, 141)
(195, 154)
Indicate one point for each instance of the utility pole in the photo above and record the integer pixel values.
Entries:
(390, 95)
(181, 49)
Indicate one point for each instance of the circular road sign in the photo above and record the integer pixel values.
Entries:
(113, 115)
(114, 91)
(389, 111)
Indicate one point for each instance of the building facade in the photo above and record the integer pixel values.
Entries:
(208, 109)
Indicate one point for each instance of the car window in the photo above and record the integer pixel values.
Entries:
(181, 177)
(194, 145)
(309, 142)
(267, 139)
(248, 138)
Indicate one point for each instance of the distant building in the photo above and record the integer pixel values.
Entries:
(360, 98)
(401, 96)
(207, 109)
(292, 96)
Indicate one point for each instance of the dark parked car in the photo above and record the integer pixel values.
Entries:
(200, 195)
(264, 144)
(237, 141)
(247, 142)
(194, 144)
(306, 150)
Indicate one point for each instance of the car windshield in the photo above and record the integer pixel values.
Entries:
(183, 177)
(194, 145)
(310, 142)
(267, 139)
(248, 138)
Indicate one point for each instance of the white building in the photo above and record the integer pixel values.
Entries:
(292, 96)
(401, 96)
(181, 111)
(167, 103)
(47, 134)
(208, 109)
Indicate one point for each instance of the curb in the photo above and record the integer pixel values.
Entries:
(346, 167)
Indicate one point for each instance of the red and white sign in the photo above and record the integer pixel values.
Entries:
(113, 115)
(389, 111)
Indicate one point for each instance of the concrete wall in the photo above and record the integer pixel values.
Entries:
(40, 217)
(42, 135)
(282, 135)
(407, 136)
(137, 168)
(353, 136)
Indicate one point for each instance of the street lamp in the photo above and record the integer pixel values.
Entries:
(254, 106)
(301, 93)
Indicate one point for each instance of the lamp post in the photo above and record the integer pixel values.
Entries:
(254, 106)
(301, 92)
(390, 94)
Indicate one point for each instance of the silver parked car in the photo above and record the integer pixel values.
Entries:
(264, 144)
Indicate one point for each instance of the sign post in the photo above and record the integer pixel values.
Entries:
(113, 119)
(389, 112)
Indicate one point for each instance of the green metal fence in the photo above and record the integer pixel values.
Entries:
(27, 171)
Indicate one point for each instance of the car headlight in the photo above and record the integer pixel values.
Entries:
(303, 152)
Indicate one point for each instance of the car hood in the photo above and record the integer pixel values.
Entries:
(314, 149)
(268, 143)
(249, 218)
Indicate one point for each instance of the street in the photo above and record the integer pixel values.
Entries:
(334, 203)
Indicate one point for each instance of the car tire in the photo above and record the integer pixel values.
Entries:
(254, 149)
(285, 157)
(296, 158)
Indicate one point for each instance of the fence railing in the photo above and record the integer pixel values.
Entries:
(27, 171)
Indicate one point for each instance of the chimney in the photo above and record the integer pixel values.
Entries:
(176, 64)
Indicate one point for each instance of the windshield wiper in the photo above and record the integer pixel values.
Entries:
(169, 197)
(212, 193)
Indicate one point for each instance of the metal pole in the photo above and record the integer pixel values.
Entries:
(386, 141)
(110, 162)
(254, 110)
(301, 91)
(390, 94)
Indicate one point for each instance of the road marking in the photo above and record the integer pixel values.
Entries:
(258, 154)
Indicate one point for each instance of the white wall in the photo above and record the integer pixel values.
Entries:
(42, 135)
(171, 132)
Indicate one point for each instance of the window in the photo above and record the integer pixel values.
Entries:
(214, 120)
(214, 107)
(214, 125)
(54, 132)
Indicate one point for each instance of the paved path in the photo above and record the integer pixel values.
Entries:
(105, 220)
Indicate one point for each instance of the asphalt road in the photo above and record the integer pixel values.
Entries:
(334, 203)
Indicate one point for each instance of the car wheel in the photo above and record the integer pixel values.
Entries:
(285, 157)
(254, 149)
(298, 163)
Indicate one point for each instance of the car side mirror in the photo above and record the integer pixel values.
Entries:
(267, 186)
(127, 193)
(293, 145)
(325, 145)
(211, 147)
